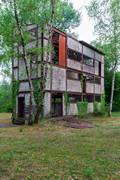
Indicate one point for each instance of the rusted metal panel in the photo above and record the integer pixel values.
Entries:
(73, 44)
(74, 64)
(74, 86)
(58, 79)
(62, 51)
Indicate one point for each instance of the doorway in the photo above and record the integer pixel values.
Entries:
(57, 105)
(21, 107)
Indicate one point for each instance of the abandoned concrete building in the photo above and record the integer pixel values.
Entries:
(70, 60)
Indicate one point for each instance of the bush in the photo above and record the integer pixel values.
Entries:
(82, 109)
(96, 107)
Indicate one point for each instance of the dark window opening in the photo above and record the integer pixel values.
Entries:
(55, 45)
(99, 68)
(57, 105)
(74, 55)
(90, 78)
(21, 106)
(88, 61)
(98, 98)
(73, 75)
(89, 98)
(74, 98)
(97, 80)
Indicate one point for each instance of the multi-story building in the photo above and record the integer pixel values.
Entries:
(71, 61)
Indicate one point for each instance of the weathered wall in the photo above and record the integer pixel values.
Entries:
(58, 79)
(88, 69)
(74, 86)
(89, 87)
(74, 64)
(72, 109)
(88, 52)
(47, 104)
(74, 44)
(24, 86)
(97, 89)
(90, 108)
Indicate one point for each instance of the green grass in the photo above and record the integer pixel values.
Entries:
(52, 151)
(116, 114)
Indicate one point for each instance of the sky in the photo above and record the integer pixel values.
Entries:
(86, 29)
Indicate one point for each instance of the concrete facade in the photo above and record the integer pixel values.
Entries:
(81, 61)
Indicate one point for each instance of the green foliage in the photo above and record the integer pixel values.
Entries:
(5, 97)
(66, 102)
(96, 107)
(82, 109)
(15, 89)
(102, 105)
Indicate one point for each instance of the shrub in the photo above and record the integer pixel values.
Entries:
(96, 107)
(82, 109)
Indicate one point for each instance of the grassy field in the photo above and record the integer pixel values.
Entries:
(55, 152)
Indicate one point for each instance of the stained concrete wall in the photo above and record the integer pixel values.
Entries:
(88, 52)
(88, 69)
(47, 104)
(74, 86)
(97, 89)
(74, 44)
(24, 86)
(58, 79)
(89, 87)
(90, 108)
(74, 111)
(74, 64)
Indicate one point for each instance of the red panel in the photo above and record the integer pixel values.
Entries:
(62, 51)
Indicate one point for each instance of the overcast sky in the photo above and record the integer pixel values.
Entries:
(86, 30)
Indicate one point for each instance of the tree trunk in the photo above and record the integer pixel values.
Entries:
(112, 93)
(19, 28)
(44, 68)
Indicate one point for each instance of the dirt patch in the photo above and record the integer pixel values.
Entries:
(75, 122)
(6, 125)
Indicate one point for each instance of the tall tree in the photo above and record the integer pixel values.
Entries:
(106, 14)
(15, 15)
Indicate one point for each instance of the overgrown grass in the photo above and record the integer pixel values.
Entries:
(55, 152)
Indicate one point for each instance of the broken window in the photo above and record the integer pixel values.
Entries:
(74, 55)
(97, 80)
(73, 75)
(89, 97)
(98, 98)
(88, 61)
(55, 45)
(74, 98)
(90, 78)
(99, 68)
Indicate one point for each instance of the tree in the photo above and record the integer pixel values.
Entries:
(107, 22)
(15, 16)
